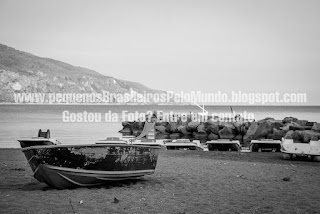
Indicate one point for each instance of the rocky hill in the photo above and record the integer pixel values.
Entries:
(23, 72)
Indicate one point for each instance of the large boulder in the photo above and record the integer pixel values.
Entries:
(165, 124)
(201, 128)
(316, 127)
(213, 136)
(298, 127)
(251, 131)
(184, 130)
(278, 134)
(263, 130)
(172, 127)
(175, 136)
(308, 134)
(212, 122)
(136, 133)
(137, 126)
(286, 127)
(302, 122)
(271, 136)
(289, 119)
(297, 137)
(226, 124)
(162, 136)
(126, 123)
(238, 137)
(186, 136)
(310, 123)
(276, 124)
(127, 127)
(184, 123)
(289, 133)
(203, 137)
(226, 133)
(213, 128)
(192, 126)
(161, 129)
(270, 119)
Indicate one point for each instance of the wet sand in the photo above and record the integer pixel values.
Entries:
(184, 182)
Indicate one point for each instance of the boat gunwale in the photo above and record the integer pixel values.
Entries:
(217, 142)
(88, 145)
(265, 142)
(36, 139)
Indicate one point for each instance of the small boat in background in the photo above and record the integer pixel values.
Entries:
(265, 145)
(112, 140)
(291, 149)
(42, 139)
(224, 145)
(182, 144)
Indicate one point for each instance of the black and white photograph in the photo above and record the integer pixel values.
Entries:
(159, 106)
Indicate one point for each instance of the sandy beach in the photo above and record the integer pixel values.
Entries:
(184, 182)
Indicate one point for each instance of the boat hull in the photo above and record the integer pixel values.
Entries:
(265, 145)
(291, 149)
(223, 145)
(86, 165)
(178, 146)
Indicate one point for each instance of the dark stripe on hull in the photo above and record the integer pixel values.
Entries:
(224, 147)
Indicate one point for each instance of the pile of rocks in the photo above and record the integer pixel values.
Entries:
(244, 131)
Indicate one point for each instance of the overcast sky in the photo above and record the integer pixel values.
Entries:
(207, 45)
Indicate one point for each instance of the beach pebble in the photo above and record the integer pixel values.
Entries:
(286, 178)
(115, 200)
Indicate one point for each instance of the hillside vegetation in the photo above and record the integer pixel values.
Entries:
(25, 72)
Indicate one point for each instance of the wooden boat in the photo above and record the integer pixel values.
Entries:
(224, 145)
(69, 166)
(291, 149)
(265, 145)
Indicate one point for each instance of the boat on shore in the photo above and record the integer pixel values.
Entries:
(291, 149)
(184, 144)
(265, 145)
(42, 139)
(224, 145)
(69, 166)
(112, 140)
